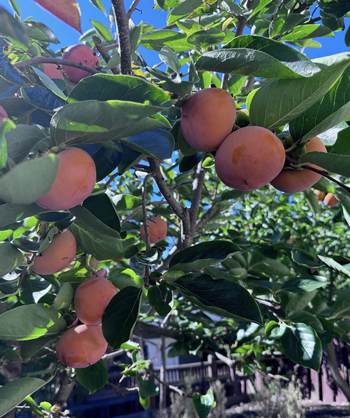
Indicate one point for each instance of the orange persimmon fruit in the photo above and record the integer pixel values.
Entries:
(249, 158)
(207, 118)
(83, 54)
(57, 256)
(157, 228)
(293, 181)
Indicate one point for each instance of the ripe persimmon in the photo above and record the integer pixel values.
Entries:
(57, 256)
(293, 181)
(330, 200)
(75, 180)
(207, 118)
(81, 346)
(157, 228)
(91, 298)
(83, 54)
(249, 158)
(320, 195)
(52, 71)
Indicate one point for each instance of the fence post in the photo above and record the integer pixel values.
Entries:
(212, 371)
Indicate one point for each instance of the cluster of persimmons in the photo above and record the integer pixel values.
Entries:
(247, 158)
(328, 199)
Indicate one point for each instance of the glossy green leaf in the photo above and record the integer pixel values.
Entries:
(95, 237)
(64, 297)
(29, 180)
(203, 403)
(10, 27)
(206, 38)
(30, 347)
(93, 121)
(299, 302)
(15, 392)
(275, 330)
(10, 257)
(304, 284)
(147, 387)
(307, 32)
(93, 377)
(332, 109)
(15, 7)
(156, 39)
(28, 322)
(102, 30)
(122, 277)
(161, 298)
(75, 275)
(222, 297)
(11, 213)
(202, 255)
(301, 344)
(168, 56)
(120, 316)
(40, 32)
(21, 141)
(306, 318)
(335, 163)
(271, 106)
(341, 307)
(183, 9)
(101, 206)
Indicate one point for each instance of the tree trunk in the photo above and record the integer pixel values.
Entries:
(65, 389)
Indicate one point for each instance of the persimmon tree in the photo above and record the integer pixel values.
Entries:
(240, 273)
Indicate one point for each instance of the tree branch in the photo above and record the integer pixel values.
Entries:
(196, 196)
(132, 8)
(57, 61)
(205, 218)
(174, 388)
(121, 20)
(104, 53)
(179, 210)
(146, 228)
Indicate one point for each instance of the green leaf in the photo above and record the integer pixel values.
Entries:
(168, 56)
(275, 330)
(332, 109)
(301, 344)
(158, 143)
(6, 126)
(271, 106)
(12, 213)
(305, 259)
(64, 297)
(222, 297)
(11, 27)
(202, 255)
(28, 322)
(328, 261)
(34, 406)
(76, 275)
(51, 85)
(29, 180)
(21, 141)
(135, 33)
(304, 284)
(299, 302)
(147, 387)
(151, 258)
(203, 403)
(161, 298)
(99, 5)
(205, 38)
(93, 377)
(122, 277)
(95, 237)
(341, 307)
(120, 316)
(342, 144)
(10, 257)
(102, 30)
(122, 88)
(93, 121)
(271, 267)
(183, 9)
(15, 392)
(126, 202)
(144, 402)
(335, 163)
(156, 39)
(103, 209)
(15, 7)
(254, 55)
(306, 318)
(307, 32)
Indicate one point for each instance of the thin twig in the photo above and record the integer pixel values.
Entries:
(122, 22)
(132, 8)
(146, 229)
(174, 388)
(57, 61)
(196, 196)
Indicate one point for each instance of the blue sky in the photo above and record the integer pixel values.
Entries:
(69, 36)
